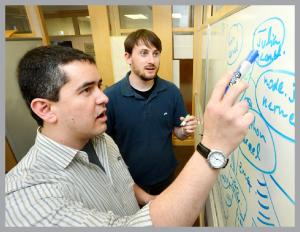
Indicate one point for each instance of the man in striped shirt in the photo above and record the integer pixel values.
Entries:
(74, 174)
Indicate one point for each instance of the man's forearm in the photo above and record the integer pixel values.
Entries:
(142, 196)
(181, 202)
(226, 123)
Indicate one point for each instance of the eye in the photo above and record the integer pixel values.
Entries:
(156, 54)
(144, 53)
(86, 90)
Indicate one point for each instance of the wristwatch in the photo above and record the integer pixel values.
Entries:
(216, 159)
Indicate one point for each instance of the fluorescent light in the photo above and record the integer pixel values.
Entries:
(136, 16)
(176, 15)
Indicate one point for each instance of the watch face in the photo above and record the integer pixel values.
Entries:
(216, 159)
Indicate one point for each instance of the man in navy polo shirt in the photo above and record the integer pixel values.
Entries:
(143, 111)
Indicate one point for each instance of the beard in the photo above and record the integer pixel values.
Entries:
(144, 78)
(141, 74)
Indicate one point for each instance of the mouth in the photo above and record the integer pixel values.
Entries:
(150, 68)
(101, 115)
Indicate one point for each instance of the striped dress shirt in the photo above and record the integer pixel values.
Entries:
(55, 185)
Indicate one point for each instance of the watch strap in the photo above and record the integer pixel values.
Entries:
(226, 162)
(203, 150)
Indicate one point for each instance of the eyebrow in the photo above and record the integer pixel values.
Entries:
(86, 84)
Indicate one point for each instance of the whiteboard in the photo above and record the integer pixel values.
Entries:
(257, 188)
(20, 127)
(120, 66)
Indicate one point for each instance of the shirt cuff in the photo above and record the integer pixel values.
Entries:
(142, 217)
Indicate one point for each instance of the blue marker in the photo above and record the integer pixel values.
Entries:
(243, 68)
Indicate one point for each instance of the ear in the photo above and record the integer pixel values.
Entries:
(127, 57)
(43, 108)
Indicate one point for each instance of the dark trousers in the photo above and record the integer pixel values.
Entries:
(157, 188)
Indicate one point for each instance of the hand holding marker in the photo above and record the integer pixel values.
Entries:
(241, 71)
(243, 68)
(183, 123)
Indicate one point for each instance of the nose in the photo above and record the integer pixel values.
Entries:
(101, 98)
(151, 58)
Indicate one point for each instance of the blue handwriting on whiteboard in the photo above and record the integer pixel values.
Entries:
(292, 100)
(247, 177)
(232, 185)
(268, 39)
(234, 42)
(276, 109)
(266, 214)
(277, 86)
(275, 98)
(233, 197)
(249, 101)
(258, 146)
(255, 149)
(257, 131)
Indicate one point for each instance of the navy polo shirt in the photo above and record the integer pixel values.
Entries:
(142, 128)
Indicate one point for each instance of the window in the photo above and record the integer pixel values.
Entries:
(16, 19)
(134, 17)
(69, 26)
(182, 16)
(67, 20)
(60, 26)
(84, 25)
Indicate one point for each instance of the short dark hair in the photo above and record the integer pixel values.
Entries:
(142, 35)
(40, 75)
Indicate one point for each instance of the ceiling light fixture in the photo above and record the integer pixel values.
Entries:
(176, 15)
(136, 16)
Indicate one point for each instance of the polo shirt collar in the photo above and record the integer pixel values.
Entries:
(57, 153)
(127, 90)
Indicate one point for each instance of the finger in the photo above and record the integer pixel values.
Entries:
(190, 118)
(193, 128)
(234, 92)
(247, 119)
(220, 87)
(190, 130)
(195, 122)
(241, 108)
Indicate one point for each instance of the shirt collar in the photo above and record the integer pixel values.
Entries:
(126, 89)
(57, 153)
